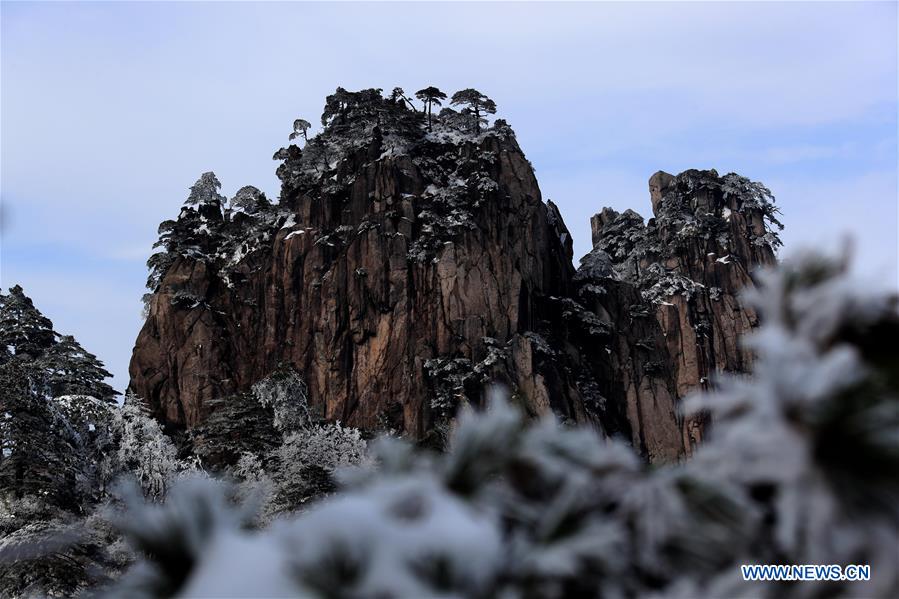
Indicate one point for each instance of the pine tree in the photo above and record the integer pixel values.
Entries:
(59, 365)
(398, 97)
(343, 106)
(354, 114)
(40, 453)
(237, 424)
(72, 370)
(250, 200)
(142, 448)
(159, 262)
(206, 191)
(431, 96)
(24, 331)
(475, 104)
(300, 127)
(335, 104)
(196, 233)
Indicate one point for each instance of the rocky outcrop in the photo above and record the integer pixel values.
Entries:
(405, 269)
(402, 276)
(690, 262)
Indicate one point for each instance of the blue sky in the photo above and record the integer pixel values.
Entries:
(110, 111)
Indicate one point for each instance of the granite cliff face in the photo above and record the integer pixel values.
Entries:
(405, 268)
(689, 263)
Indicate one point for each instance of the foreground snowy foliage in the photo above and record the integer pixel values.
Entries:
(68, 462)
(800, 468)
(61, 458)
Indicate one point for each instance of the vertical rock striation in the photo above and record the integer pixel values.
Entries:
(690, 262)
(404, 269)
(401, 271)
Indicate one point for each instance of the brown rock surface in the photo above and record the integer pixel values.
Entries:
(402, 271)
(691, 262)
(659, 184)
(363, 300)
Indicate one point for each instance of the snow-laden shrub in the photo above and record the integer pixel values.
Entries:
(663, 283)
(285, 393)
(268, 441)
(20, 575)
(800, 468)
(55, 554)
(142, 450)
(328, 446)
(304, 464)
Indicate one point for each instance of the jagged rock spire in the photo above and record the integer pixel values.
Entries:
(403, 270)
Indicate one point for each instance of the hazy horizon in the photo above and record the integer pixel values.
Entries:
(111, 111)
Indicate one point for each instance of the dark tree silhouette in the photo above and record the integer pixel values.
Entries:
(24, 331)
(398, 94)
(335, 104)
(39, 449)
(206, 191)
(343, 106)
(475, 104)
(300, 127)
(58, 363)
(72, 370)
(431, 96)
(197, 231)
(249, 199)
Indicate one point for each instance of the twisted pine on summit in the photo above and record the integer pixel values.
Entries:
(431, 96)
(300, 127)
(475, 104)
(344, 107)
(212, 229)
